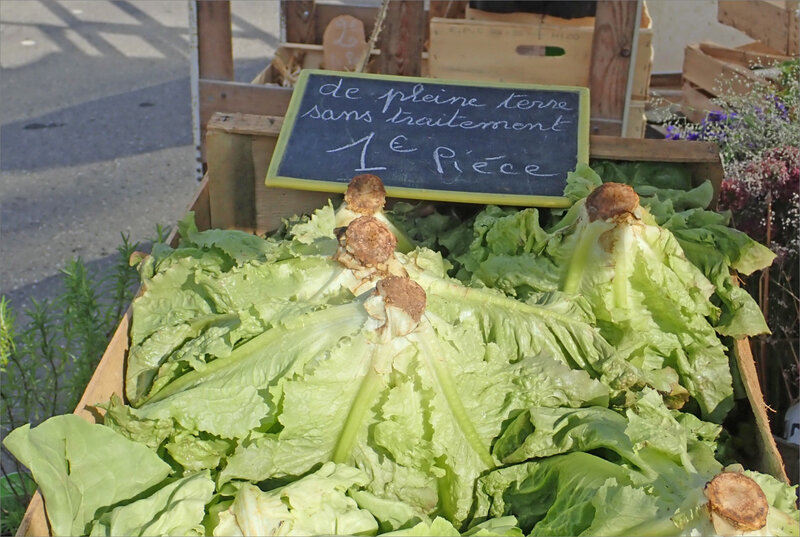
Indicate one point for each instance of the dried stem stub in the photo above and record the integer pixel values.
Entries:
(366, 242)
(365, 194)
(611, 200)
(396, 305)
(404, 294)
(737, 501)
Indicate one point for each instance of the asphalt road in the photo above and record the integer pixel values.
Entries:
(96, 128)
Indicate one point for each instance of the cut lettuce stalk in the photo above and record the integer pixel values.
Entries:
(366, 196)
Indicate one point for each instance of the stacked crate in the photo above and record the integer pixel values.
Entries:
(535, 49)
(710, 69)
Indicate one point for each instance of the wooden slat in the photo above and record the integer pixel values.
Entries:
(34, 522)
(760, 48)
(402, 38)
(615, 148)
(238, 123)
(298, 18)
(214, 44)
(695, 103)
(495, 51)
(200, 206)
(770, 459)
(744, 56)
(715, 75)
(230, 173)
(612, 44)
(774, 23)
(666, 80)
(637, 121)
(228, 97)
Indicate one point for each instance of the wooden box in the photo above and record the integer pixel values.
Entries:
(775, 23)
(710, 70)
(232, 195)
(532, 49)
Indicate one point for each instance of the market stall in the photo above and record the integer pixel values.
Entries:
(411, 357)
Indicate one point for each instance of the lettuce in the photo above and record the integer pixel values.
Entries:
(366, 391)
(705, 236)
(648, 300)
(177, 508)
(281, 369)
(81, 468)
(594, 472)
(316, 504)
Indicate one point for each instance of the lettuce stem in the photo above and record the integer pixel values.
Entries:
(622, 272)
(370, 386)
(431, 354)
(580, 257)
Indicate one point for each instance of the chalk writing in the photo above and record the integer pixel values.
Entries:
(433, 135)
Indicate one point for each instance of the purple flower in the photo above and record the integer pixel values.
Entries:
(782, 108)
(673, 133)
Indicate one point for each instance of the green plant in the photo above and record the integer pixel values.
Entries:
(47, 360)
(759, 138)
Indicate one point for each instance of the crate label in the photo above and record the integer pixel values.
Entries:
(432, 138)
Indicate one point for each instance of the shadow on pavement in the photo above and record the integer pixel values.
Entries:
(130, 123)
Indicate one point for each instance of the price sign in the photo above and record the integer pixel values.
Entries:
(433, 139)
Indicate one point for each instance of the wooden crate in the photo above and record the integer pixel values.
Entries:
(303, 26)
(513, 47)
(605, 69)
(232, 195)
(304, 22)
(310, 57)
(775, 23)
(710, 70)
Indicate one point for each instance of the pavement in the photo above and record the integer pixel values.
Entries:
(96, 127)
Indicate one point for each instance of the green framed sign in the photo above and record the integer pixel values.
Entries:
(434, 139)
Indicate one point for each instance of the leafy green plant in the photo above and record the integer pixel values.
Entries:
(47, 359)
(759, 138)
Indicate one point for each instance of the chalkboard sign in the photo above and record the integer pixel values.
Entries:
(433, 139)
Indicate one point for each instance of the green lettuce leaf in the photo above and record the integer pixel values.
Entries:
(419, 413)
(82, 467)
(177, 508)
(316, 504)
